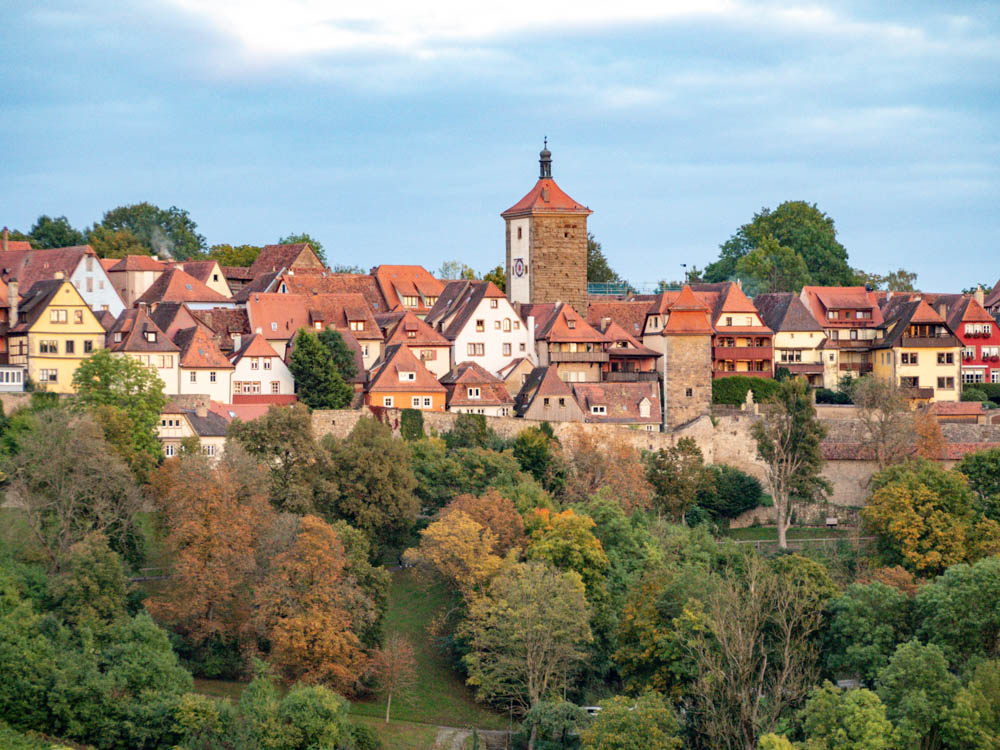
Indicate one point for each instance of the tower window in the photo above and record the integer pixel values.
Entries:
(565, 235)
(519, 232)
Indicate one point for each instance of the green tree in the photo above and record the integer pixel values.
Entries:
(567, 541)
(343, 357)
(982, 469)
(170, 232)
(974, 720)
(58, 232)
(498, 276)
(317, 382)
(788, 442)
(537, 450)
(917, 690)
(109, 243)
(731, 492)
(234, 255)
(371, 482)
(846, 720)
(411, 424)
(90, 591)
(679, 476)
(899, 280)
(103, 379)
(316, 245)
(456, 270)
(597, 265)
(772, 267)
(471, 431)
(797, 225)
(645, 723)
(866, 624)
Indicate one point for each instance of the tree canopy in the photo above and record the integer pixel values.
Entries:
(316, 245)
(318, 382)
(169, 232)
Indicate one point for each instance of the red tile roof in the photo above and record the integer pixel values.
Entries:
(412, 331)
(139, 263)
(407, 281)
(199, 351)
(688, 315)
(820, 299)
(630, 315)
(243, 412)
(30, 266)
(957, 408)
(337, 283)
(542, 382)
(277, 257)
(136, 328)
(254, 346)
(225, 322)
(559, 322)
(176, 285)
(385, 375)
(465, 375)
(18, 245)
(200, 269)
(544, 197)
(620, 400)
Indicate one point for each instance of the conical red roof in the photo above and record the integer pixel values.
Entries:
(546, 196)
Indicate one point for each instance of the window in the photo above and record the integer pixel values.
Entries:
(545, 401)
(909, 382)
(974, 376)
(90, 283)
(945, 358)
(387, 401)
(480, 325)
(991, 352)
(58, 316)
(476, 350)
(357, 325)
(598, 409)
(908, 358)
(473, 392)
(78, 316)
(506, 349)
(215, 277)
(409, 301)
(166, 360)
(427, 402)
(70, 347)
(211, 377)
(968, 352)
(48, 376)
(416, 402)
(194, 376)
(496, 325)
(169, 450)
(519, 232)
(494, 304)
(267, 363)
(521, 347)
(88, 346)
(506, 324)
(995, 376)
(319, 325)
(275, 387)
(254, 363)
(571, 324)
(246, 387)
(562, 402)
(407, 376)
(517, 325)
(274, 326)
(90, 263)
(947, 384)
(729, 321)
(831, 314)
(151, 337)
(208, 450)
(854, 334)
(48, 347)
(428, 355)
(364, 350)
(118, 337)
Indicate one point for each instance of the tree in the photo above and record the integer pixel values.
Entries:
(797, 225)
(607, 461)
(925, 519)
(555, 723)
(498, 276)
(788, 442)
(460, 550)
(343, 357)
(537, 451)
(982, 470)
(215, 518)
(103, 379)
(731, 492)
(302, 237)
(58, 232)
(598, 269)
(168, 232)
(456, 270)
(234, 255)
(771, 267)
(867, 623)
(495, 512)
(471, 431)
(90, 591)
(679, 476)
(834, 719)
(886, 418)
(411, 424)
(899, 280)
(317, 382)
(974, 720)
(347, 268)
(306, 606)
(917, 690)
(754, 653)
(394, 669)
(108, 243)
(283, 441)
(371, 483)
(566, 541)
(68, 483)
(527, 635)
(646, 723)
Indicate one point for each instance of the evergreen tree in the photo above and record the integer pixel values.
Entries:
(343, 357)
(317, 381)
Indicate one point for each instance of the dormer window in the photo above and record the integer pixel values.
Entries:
(598, 409)
(274, 326)
(357, 325)
(283, 289)
(118, 337)
(151, 337)
(319, 325)
(570, 323)
(473, 393)
(411, 334)
(407, 376)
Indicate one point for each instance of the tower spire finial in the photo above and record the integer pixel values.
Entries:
(545, 160)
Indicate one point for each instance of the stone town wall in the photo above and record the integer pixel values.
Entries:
(559, 260)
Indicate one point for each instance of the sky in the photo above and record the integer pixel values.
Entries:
(396, 133)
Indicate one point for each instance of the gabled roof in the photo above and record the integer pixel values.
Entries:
(784, 311)
(200, 269)
(820, 299)
(135, 325)
(412, 331)
(559, 322)
(277, 257)
(198, 350)
(541, 383)
(629, 315)
(35, 302)
(176, 285)
(465, 375)
(277, 316)
(623, 343)
(457, 304)
(18, 245)
(254, 345)
(730, 299)
(337, 283)
(406, 281)
(224, 322)
(505, 372)
(687, 315)
(396, 359)
(213, 424)
(620, 400)
(265, 282)
(900, 312)
(237, 273)
(30, 266)
(105, 318)
(339, 311)
(108, 263)
(546, 196)
(138, 263)
(170, 317)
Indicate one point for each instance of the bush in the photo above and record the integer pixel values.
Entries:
(973, 394)
(411, 424)
(992, 391)
(826, 396)
(735, 492)
(733, 389)
(365, 738)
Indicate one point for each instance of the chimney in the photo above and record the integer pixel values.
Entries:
(12, 300)
(943, 310)
(201, 409)
(237, 341)
(5, 236)
(979, 295)
(605, 323)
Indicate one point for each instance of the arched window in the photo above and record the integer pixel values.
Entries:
(506, 324)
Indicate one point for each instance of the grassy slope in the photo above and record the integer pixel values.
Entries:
(401, 735)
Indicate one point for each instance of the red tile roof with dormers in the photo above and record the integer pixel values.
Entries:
(396, 282)
(465, 375)
(134, 327)
(281, 315)
(546, 196)
(177, 286)
(385, 375)
(559, 323)
(199, 350)
(412, 331)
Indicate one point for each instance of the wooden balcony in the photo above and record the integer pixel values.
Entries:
(859, 367)
(630, 377)
(940, 341)
(555, 357)
(743, 353)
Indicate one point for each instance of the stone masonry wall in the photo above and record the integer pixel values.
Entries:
(559, 260)
(689, 365)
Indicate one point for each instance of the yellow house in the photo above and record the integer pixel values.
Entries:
(54, 332)
(918, 351)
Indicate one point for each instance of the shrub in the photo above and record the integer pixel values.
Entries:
(365, 738)
(992, 391)
(735, 492)
(973, 394)
(826, 396)
(411, 424)
(733, 389)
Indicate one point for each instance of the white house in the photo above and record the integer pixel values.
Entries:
(79, 264)
(260, 375)
(482, 325)
(203, 369)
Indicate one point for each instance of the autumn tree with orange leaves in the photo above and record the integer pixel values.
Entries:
(460, 550)
(495, 512)
(609, 461)
(394, 669)
(307, 609)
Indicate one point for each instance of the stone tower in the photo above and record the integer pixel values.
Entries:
(547, 244)
(687, 364)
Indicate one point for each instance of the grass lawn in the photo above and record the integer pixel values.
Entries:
(401, 735)
(770, 534)
(441, 696)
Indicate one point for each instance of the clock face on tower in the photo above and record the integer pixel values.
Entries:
(518, 267)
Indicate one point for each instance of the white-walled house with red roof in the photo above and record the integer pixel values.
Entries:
(260, 375)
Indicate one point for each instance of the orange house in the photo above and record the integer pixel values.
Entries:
(401, 381)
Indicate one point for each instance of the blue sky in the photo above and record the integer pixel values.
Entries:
(395, 133)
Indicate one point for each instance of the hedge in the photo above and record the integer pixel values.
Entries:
(733, 389)
(826, 396)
